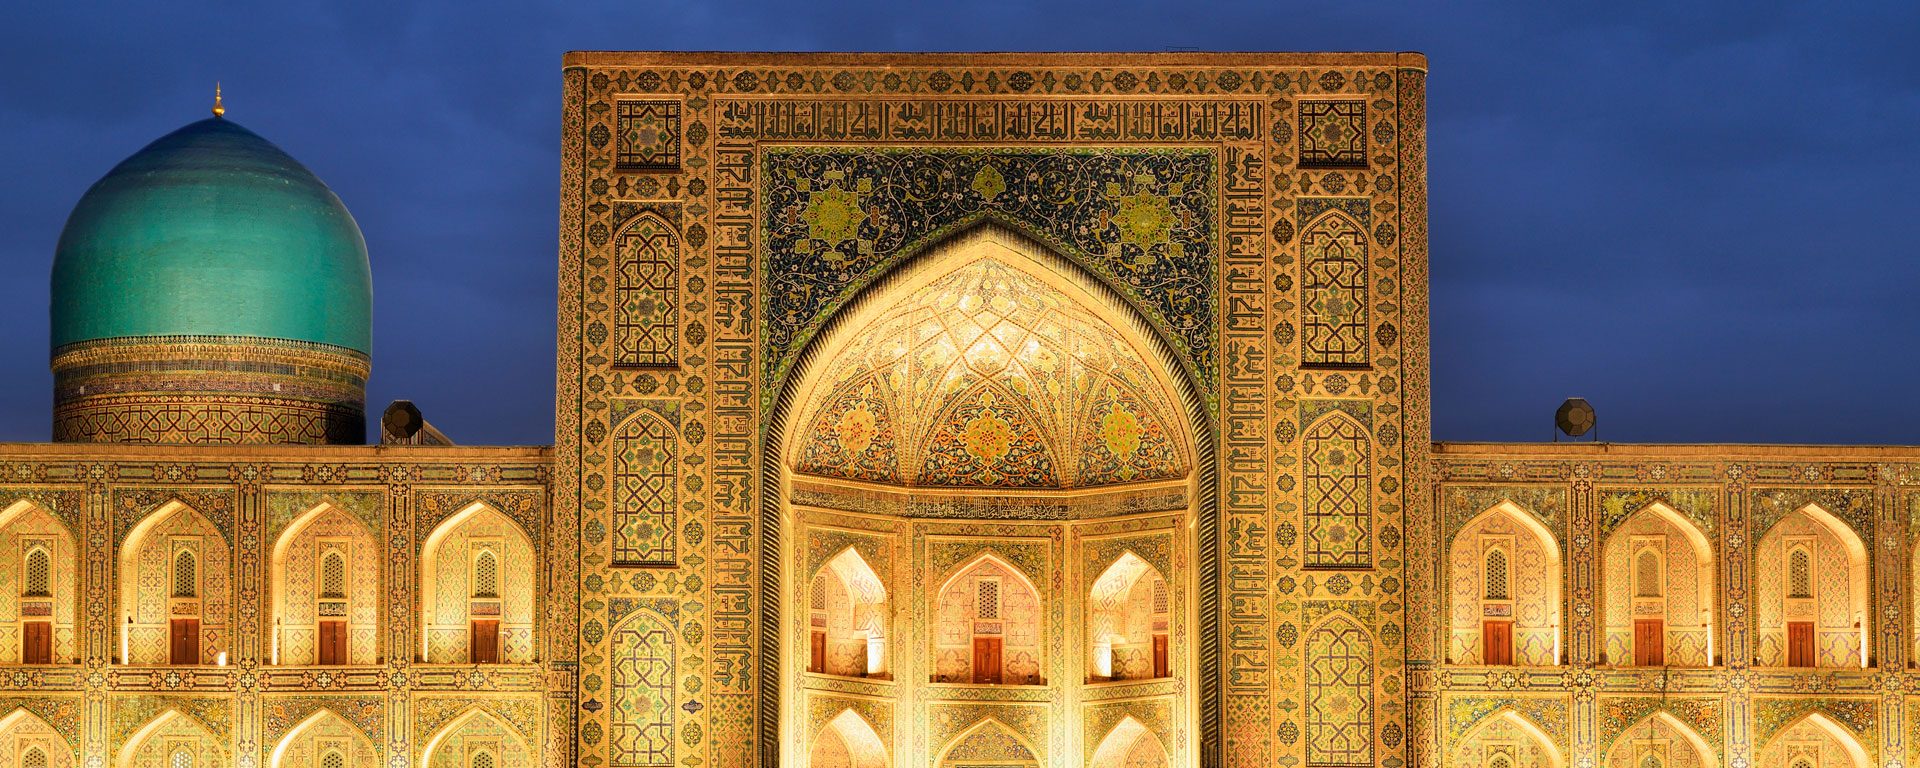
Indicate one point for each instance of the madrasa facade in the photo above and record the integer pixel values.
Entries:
(912, 411)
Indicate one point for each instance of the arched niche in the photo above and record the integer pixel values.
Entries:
(1128, 622)
(173, 740)
(325, 585)
(475, 732)
(847, 741)
(847, 618)
(988, 742)
(1122, 431)
(1508, 739)
(176, 589)
(22, 732)
(477, 574)
(1657, 578)
(1661, 736)
(1503, 587)
(322, 733)
(1811, 577)
(1129, 745)
(1814, 741)
(989, 604)
(39, 576)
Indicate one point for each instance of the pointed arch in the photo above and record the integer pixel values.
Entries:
(1174, 377)
(285, 753)
(1339, 692)
(1507, 726)
(850, 617)
(478, 719)
(23, 723)
(447, 606)
(989, 739)
(852, 741)
(1127, 621)
(153, 613)
(988, 599)
(1529, 620)
(641, 712)
(1659, 543)
(1129, 744)
(304, 546)
(1337, 475)
(170, 731)
(1830, 627)
(1663, 726)
(1843, 740)
(39, 575)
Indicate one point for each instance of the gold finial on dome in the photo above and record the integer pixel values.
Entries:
(219, 108)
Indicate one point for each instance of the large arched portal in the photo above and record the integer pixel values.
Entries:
(1019, 461)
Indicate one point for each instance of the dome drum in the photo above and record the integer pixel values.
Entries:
(209, 389)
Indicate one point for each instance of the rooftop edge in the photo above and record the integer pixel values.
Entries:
(1400, 60)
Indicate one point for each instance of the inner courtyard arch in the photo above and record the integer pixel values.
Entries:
(1658, 581)
(978, 430)
(1812, 574)
(1504, 582)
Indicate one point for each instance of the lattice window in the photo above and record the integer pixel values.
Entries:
(1804, 762)
(644, 699)
(1646, 574)
(1651, 761)
(182, 758)
(1339, 693)
(1159, 595)
(1333, 300)
(1500, 760)
(333, 759)
(35, 757)
(987, 602)
(39, 568)
(646, 451)
(482, 760)
(1339, 520)
(186, 575)
(1799, 573)
(820, 592)
(486, 575)
(333, 576)
(1496, 575)
(646, 327)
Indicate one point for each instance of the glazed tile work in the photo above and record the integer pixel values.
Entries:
(930, 411)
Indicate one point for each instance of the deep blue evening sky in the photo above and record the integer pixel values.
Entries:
(1703, 219)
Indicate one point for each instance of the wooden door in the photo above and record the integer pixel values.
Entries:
(986, 660)
(1800, 652)
(1160, 656)
(36, 642)
(333, 642)
(1649, 643)
(1496, 642)
(184, 635)
(485, 641)
(817, 658)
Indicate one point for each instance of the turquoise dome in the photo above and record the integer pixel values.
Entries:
(212, 231)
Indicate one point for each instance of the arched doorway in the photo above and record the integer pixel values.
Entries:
(982, 412)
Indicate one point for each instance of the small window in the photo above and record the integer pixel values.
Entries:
(1497, 574)
(1799, 574)
(486, 575)
(1646, 574)
(333, 759)
(39, 573)
(34, 758)
(186, 575)
(333, 576)
(820, 592)
(1650, 761)
(182, 758)
(1803, 762)
(1159, 595)
(1500, 761)
(988, 603)
(483, 760)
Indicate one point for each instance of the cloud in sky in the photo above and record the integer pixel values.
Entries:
(1699, 217)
